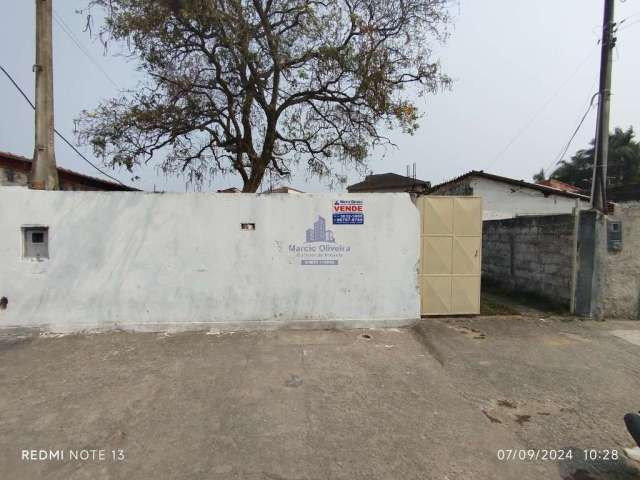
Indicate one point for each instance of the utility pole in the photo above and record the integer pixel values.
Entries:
(44, 173)
(599, 181)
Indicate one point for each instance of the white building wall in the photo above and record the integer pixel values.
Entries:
(181, 261)
(501, 200)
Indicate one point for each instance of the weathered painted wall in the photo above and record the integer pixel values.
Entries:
(618, 273)
(530, 254)
(504, 201)
(181, 261)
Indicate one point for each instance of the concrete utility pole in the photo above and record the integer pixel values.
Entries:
(599, 181)
(44, 173)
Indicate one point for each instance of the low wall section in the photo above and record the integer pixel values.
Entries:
(181, 261)
(530, 254)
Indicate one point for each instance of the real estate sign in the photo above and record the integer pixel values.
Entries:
(348, 212)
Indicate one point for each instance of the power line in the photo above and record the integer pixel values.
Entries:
(575, 132)
(627, 26)
(66, 29)
(526, 126)
(24, 95)
(628, 17)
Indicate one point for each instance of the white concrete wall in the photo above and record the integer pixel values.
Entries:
(180, 261)
(501, 200)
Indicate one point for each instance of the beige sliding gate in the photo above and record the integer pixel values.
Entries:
(450, 264)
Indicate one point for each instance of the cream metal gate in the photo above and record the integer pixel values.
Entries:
(450, 265)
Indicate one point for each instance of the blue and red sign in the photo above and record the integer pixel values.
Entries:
(348, 212)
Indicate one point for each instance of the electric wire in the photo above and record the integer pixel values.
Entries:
(563, 152)
(538, 112)
(559, 158)
(627, 26)
(66, 29)
(62, 137)
(628, 17)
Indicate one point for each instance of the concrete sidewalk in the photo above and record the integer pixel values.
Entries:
(435, 401)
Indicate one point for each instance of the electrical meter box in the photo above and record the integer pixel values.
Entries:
(35, 241)
(614, 235)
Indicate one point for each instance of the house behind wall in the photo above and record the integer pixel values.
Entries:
(504, 197)
(15, 171)
(390, 182)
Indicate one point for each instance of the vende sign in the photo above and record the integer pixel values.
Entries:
(348, 212)
(347, 208)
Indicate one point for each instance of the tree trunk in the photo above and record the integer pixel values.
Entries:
(255, 179)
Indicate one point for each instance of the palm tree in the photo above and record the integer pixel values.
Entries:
(623, 166)
(540, 176)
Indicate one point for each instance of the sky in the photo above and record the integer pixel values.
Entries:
(524, 72)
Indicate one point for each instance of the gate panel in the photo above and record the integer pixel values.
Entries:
(467, 217)
(436, 255)
(466, 255)
(451, 262)
(465, 295)
(436, 295)
(437, 217)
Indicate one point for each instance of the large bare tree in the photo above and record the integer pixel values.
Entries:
(257, 86)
